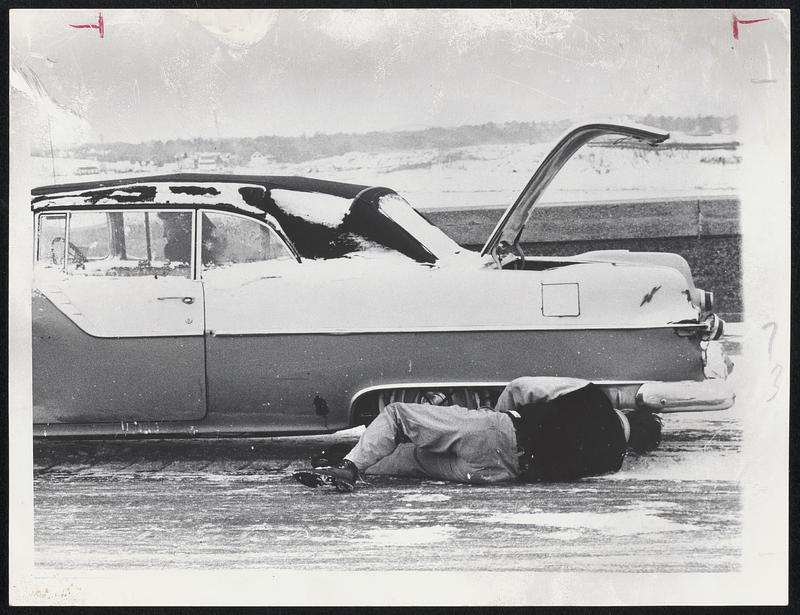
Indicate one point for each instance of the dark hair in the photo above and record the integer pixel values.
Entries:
(645, 430)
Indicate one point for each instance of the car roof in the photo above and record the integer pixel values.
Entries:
(322, 219)
(146, 189)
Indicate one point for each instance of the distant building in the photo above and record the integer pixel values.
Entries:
(208, 161)
(185, 162)
(122, 166)
(260, 160)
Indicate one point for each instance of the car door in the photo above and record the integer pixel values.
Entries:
(118, 318)
(247, 269)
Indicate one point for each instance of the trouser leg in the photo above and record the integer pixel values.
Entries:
(401, 462)
(378, 441)
(450, 442)
(435, 428)
(432, 427)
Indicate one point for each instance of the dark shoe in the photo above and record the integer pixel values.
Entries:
(342, 476)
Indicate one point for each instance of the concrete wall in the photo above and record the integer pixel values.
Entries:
(706, 232)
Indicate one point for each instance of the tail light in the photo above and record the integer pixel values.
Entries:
(703, 300)
(714, 328)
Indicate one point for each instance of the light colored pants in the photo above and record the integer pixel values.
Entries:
(443, 442)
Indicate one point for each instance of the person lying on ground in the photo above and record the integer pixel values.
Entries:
(541, 429)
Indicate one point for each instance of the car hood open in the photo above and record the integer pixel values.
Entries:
(508, 231)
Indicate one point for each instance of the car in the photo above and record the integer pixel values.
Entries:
(225, 305)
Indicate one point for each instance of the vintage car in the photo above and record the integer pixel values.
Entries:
(211, 305)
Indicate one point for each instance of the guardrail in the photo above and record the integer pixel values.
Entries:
(705, 231)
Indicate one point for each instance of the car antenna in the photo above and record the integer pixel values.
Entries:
(52, 155)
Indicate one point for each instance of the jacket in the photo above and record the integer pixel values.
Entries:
(573, 435)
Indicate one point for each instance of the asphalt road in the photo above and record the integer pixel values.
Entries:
(232, 504)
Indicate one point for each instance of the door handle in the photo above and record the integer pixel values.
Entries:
(186, 300)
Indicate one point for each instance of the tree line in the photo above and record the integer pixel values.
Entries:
(321, 145)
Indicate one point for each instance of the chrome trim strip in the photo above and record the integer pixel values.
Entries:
(445, 329)
(193, 264)
(419, 385)
(66, 242)
(471, 383)
(115, 209)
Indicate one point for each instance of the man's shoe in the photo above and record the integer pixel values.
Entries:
(331, 455)
(343, 476)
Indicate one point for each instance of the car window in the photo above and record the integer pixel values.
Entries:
(130, 243)
(88, 237)
(233, 240)
(51, 246)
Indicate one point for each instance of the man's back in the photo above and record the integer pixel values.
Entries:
(573, 435)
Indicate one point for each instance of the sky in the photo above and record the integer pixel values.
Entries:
(165, 74)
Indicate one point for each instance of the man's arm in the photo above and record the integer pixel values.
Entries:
(535, 389)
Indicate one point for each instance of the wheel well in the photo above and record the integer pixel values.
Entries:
(368, 403)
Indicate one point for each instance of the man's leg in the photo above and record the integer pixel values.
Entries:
(378, 442)
(450, 443)
(447, 442)
(434, 428)
(402, 462)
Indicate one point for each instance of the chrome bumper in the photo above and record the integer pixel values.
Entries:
(713, 393)
(685, 396)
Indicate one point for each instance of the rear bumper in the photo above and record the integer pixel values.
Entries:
(687, 396)
(712, 393)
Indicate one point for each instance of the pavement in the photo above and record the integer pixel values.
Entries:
(222, 503)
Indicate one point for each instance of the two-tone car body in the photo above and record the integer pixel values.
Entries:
(210, 305)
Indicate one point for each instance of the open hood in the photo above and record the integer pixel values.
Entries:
(506, 234)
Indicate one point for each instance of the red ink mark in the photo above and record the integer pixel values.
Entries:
(745, 22)
(100, 25)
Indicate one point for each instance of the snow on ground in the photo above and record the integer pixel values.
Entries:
(486, 175)
(618, 523)
(410, 536)
(495, 174)
(425, 497)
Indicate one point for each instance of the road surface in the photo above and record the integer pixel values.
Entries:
(232, 504)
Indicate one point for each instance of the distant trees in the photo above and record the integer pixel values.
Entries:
(701, 124)
(320, 145)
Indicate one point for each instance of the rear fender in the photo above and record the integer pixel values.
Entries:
(660, 259)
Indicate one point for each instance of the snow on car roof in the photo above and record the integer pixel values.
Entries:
(177, 193)
(322, 219)
(317, 207)
(184, 189)
(430, 236)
